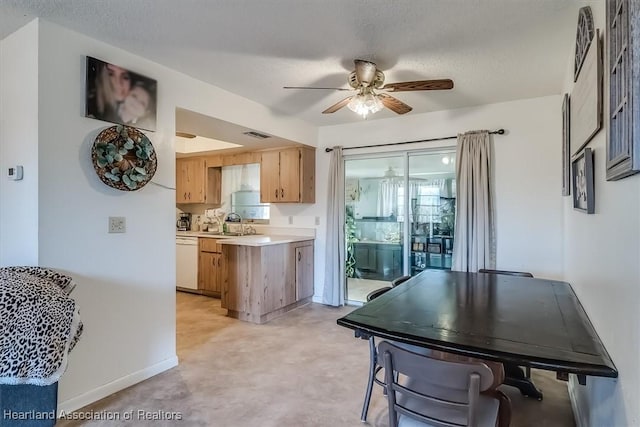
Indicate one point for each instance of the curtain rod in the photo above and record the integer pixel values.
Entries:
(493, 132)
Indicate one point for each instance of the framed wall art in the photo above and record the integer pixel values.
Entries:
(566, 156)
(586, 98)
(623, 35)
(117, 95)
(582, 178)
(584, 36)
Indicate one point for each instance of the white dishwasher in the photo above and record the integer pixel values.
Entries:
(187, 262)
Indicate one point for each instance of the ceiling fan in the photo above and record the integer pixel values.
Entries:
(372, 94)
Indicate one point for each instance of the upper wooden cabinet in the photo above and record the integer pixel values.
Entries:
(288, 176)
(241, 159)
(196, 182)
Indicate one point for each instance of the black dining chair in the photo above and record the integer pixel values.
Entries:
(514, 374)
(399, 280)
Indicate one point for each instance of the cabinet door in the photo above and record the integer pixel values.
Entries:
(213, 194)
(270, 177)
(182, 180)
(216, 284)
(304, 272)
(365, 255)
(190, 180)
(197, 177)
(207, 270)
(290, 175)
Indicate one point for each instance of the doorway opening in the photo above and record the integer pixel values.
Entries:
(400, 217)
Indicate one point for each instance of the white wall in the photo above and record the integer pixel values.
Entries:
(601, 261)
(19, 146)
(527, 173)
(126, 282)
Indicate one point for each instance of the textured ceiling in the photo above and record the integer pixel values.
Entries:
(494, 50)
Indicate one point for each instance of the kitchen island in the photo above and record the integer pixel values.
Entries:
(257, 277)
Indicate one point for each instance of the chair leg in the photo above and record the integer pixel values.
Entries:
(504, 408)
(372, 375)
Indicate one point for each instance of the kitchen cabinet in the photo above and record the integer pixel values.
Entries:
(241, 158)
(196, 182)
(209, 267)
(288, 175)
(262, 282)
(304, 271)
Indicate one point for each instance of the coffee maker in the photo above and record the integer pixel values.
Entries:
(184, 222)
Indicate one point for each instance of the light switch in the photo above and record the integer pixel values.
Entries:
(117, 224)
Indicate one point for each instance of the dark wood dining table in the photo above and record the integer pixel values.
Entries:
(516, 320)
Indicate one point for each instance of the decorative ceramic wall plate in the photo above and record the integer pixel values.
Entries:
(124, 158)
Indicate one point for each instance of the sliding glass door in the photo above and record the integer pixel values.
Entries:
(381, 193)
(432, 190)
(374, 231)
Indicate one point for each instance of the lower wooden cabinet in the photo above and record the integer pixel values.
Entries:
(304, 271)
(209, 267)
(262, 282)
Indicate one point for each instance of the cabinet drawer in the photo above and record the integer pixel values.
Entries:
(209, 245)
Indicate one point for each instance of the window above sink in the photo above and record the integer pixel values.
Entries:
(241, 193)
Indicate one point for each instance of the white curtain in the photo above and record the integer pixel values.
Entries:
(334, 275)
(474, 244)
(388, 197)
(239, 178)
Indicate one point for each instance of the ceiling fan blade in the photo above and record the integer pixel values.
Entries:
(394, 104)
(307, 87)
(441, 84)
(338, 105)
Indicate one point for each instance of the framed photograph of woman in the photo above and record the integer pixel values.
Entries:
(582, 174)
(117, 95)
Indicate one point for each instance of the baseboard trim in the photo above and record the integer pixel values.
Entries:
(578, 413)
(101, 392)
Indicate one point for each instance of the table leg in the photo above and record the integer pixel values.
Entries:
(514, 376)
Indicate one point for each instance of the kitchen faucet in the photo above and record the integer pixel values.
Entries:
(235, 215)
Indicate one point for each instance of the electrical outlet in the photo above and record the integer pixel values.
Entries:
(117, 224)
(317, 220)
(290, 220)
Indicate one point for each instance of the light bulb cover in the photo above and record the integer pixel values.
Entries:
(365, 104)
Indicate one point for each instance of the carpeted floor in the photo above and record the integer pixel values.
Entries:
(301, 369)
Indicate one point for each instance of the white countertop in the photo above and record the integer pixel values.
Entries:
(246, 240)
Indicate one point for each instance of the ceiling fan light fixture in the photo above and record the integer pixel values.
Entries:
(365, 104)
